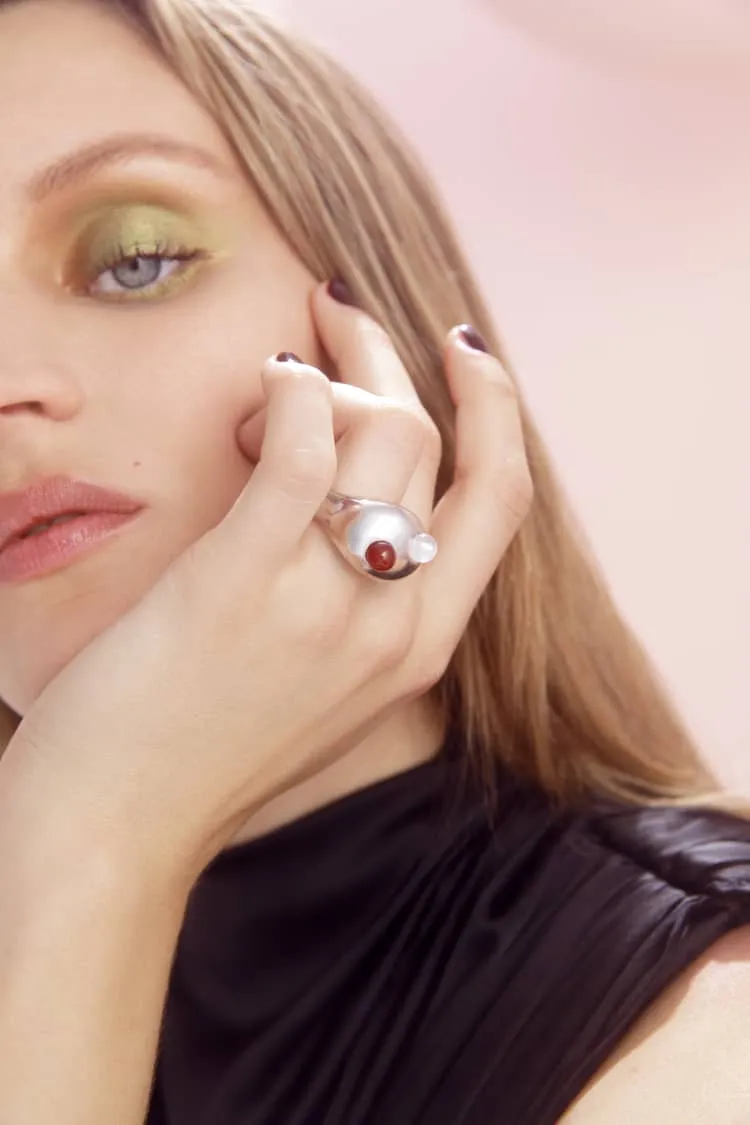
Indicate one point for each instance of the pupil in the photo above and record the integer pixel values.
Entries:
(137, 271)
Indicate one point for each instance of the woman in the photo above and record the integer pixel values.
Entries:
(282, 842)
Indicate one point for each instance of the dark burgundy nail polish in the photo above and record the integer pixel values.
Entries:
(341, 292)
(472, 339)
(288, 357)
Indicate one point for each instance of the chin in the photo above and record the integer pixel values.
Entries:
(55, 637)
(69, 610)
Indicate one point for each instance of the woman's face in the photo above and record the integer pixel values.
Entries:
(133, 376)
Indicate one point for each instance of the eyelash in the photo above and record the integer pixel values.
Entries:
(161, 251)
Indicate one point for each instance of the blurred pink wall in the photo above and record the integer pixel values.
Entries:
(605, 201)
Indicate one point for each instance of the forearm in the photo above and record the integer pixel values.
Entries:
(85, 955)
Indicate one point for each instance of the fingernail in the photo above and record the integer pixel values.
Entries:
(472, 339)
(288, 357)
(341, 292)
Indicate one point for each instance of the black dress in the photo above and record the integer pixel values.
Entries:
(400, 958)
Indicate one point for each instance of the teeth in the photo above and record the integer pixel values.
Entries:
(40, 527)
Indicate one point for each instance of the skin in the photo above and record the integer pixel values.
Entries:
(147, 395)
(154, 399)
(122, 782)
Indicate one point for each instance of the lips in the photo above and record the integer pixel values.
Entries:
(47, 500)
(45, 524)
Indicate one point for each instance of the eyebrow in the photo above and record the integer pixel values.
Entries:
(84, 163)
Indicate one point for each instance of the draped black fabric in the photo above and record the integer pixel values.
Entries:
(402, 956)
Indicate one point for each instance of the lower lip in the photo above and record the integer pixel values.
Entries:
(59, 545)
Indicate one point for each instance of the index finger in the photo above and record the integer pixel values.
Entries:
(295, 472)
(362, 350)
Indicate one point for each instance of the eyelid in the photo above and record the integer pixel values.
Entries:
(113, 232)
(137, 223)
(55, 233)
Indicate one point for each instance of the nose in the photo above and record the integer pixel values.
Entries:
(34, 381)
(37, 389)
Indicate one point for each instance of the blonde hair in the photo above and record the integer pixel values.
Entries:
(547, 677)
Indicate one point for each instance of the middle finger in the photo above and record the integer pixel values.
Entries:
(365, 357)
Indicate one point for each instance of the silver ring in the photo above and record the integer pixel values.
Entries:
(384, 541)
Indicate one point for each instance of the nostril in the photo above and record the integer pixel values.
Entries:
(24, 407)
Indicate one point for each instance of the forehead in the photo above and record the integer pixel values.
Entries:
(71, 72)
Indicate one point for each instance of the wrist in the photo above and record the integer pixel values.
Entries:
(93, 884)
(58, 829)
(65, 835)
(60, 857)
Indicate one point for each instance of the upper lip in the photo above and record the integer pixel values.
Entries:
(56, 496)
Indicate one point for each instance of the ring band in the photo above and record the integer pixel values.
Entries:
(381, 540)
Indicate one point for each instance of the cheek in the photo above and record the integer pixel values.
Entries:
(199, 379)
(179, 379)
(200, 356)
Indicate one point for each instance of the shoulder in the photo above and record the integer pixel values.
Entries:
(699, 850)
(687, 1059)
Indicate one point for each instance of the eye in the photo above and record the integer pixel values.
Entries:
(138, 273)
(135, 270)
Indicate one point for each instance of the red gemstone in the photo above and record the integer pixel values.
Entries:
(381, 555)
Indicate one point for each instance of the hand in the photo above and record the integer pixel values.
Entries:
(260, 654)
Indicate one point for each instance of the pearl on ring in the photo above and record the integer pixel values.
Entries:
(422, 548)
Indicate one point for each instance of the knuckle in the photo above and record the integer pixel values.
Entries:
(500, 381)
(426, 671)
(433, 440)
(428, 428)
(369, 334)
(388, 642)
(403, 426)
(317, 381)
(319, 623)
(426, 667)
(304, 470)
(298, 379)
(306, 375)
(405, 420)
(514, 486)
(335, 616)
(323, 623)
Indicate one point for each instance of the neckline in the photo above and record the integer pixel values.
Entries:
(296, 902)
(424, 776)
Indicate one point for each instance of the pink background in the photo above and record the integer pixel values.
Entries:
(598, 168)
